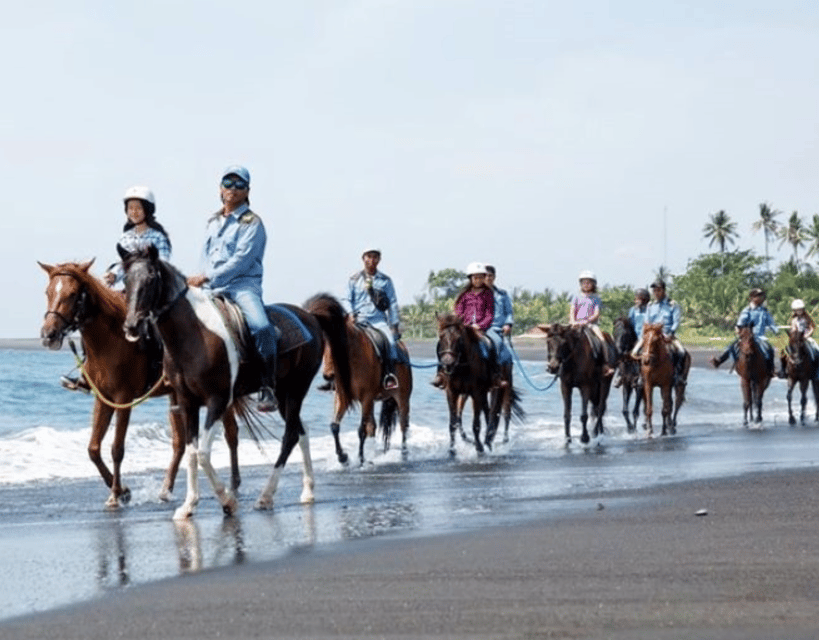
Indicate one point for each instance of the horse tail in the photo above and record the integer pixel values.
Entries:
(333, 322)
(253, 420)
(517, 411)
(388, 418)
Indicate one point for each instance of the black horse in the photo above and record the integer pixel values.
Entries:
(629, 369)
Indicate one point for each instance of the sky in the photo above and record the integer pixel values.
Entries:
(542, 137)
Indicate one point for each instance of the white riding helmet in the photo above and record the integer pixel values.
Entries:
(370, 249)
(474, 268)
(587, 275)
(139, 193)
(797, 304)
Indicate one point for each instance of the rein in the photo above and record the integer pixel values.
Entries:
(98, 394)
(79, 307)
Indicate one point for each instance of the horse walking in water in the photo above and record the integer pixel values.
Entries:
(466, 373)
(571, 356)
(625, 338)
(120, 371)
(801, 368)
(754, 374)
(657, 370)
(366, 381)
(204, 365)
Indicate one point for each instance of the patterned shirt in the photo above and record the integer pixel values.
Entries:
(132, 240)
(476, 308)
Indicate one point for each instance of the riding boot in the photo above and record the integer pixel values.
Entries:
(390, 380)
(75, 383)
(266, 345)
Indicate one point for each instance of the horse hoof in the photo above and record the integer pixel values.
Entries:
(263, 504)
(343, 458)
(183, 513)
(112, 504)
(307, 497)
(125, 496)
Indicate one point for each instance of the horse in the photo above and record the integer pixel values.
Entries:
(119, 371)
(625, 338)
(754, 374)
(800, 367)
(366, 383)
(468, 373)
(206, 367)
(570, 355)
(657, 370)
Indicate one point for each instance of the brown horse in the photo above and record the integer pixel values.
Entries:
(571, 356)
(206, 367)
(625, 337)
(754, 374)
(657, 370)
(366, 382)
(468, 373)
(119, 370)
(800, 367)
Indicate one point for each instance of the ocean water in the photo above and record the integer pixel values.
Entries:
(58, 545)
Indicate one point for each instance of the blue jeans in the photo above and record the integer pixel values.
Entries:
(496, 336)
(264, 333)
(386, 330)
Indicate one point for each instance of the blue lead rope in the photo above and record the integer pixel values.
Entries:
(523, 371)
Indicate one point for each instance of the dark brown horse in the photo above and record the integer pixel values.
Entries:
(625, 337)
(206, 367)
(657, 370)
(118, 370)
(466, 373)
(366, 382)
(571, 356)
(800, 368)
(754, 375)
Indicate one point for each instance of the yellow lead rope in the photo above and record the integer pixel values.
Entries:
(115, 405)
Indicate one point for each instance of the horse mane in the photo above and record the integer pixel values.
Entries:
(453, 320)
(109, 301)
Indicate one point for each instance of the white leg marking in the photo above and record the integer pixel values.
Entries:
(265, 500)
(187, 508)
(307, 480)
(224, 495)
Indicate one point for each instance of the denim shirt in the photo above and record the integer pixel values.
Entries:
(759, 319)
(361, 303)
(503, 309)
(667, 312)
(233, 253)
(637, 317)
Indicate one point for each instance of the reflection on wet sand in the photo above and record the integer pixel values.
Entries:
(373, 520)
(189, 545)
(112, 554)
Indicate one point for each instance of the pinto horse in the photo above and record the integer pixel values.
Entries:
(205, 367)
(657, 370)
(753, 373)
(570, 355)
(800, 367)
(366, 382)
(625, 338)
(119, 370)
(466, 373)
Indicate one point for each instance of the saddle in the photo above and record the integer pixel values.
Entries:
(380, 343)
(290, 330)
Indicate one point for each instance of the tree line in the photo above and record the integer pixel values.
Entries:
(712, 290)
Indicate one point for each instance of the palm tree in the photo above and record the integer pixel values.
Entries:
(812, 234)
(721, 230)
(768, 224)
(794, 234)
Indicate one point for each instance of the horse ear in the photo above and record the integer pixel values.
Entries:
(123, 252)
(85, 266)
(46, 267)
(544, 328)
(153, 253)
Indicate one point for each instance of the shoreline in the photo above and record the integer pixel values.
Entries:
(636, 563)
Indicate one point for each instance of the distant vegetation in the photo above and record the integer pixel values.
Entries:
(711, 291)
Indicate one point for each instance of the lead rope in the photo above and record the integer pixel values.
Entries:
(98, 394)
(523, 371)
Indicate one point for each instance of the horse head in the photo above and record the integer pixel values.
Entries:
(451, 336)
(653, 341)
(151, 287)
(559, 342)
(67, 301)
(745, 340)
(624, 335)
(797, 348)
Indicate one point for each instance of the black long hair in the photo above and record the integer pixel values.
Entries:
(150, 209)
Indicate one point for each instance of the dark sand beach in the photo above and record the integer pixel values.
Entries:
(647, 568)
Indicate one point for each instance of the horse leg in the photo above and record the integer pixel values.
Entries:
(367, 427)
(119, 492)
(178, 443)
(507, 411)
(478, 409)
(814, 383)
(648, 406)
(667, 407)
(454, 420)
(789, 396)
(225, 496)
(493, 415)
(307, 479)
(566, 390)
(626, 392)
(339, 409)
(803, 387)
(584, 415)
(293, 432)
(232, 440)
(191, 421)
(759, 390)
(403, 418)
(99, 426)
(461, 404)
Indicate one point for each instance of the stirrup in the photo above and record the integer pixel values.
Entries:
(390, 381)
(75, 384)
(438, 381)
(267, 400)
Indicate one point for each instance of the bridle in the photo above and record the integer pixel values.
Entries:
(80, 308)
(455, 351)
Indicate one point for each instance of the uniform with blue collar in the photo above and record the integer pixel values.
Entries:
(760, 320)
(364, 310)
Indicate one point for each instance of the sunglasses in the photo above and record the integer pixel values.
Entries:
(234, 183)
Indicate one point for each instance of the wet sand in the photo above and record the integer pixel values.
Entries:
(646, 568)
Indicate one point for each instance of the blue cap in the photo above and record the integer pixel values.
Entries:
(237, 170)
